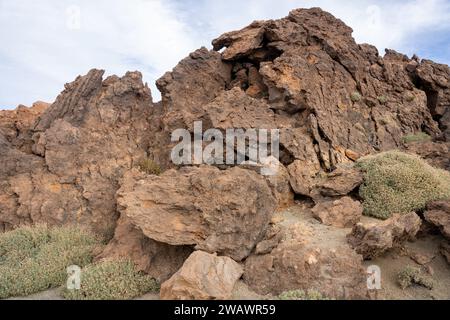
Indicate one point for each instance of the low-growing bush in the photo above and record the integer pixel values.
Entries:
(396, 182)
(301, 295)
(112, 280)
(382, 99)
(34, 259)
(355, 96)
(418, 137)
(150, 167)
(414, 276)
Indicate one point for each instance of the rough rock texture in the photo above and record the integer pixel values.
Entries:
(438, 214)
(434, 79)
(83, 143)
(445, 251)
(340, 182)
(203, 277)
(224, 212)
(372, 240)
(436, 154)
(159, 260)
(302, 261)
(341, 213)
(17, 125)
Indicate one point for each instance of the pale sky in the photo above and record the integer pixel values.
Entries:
(46, 43)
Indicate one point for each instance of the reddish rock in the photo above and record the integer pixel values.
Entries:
(203, 277)
(224, 212)
(438, 214)
(304, 261)
(372, 240)
(341, 213)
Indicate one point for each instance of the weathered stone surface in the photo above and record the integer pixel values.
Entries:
(83, 143)
(203, 277)
(224, 212)
(318, 69)
(17, 125)
(303, 261)
(434, 79)
(159, 260)
(436, 154)
(438, 214)
(340, 182)
(445, 251)
(372, 240)
(342, 213)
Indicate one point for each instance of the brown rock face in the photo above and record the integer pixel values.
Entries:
(340, 182)
(224, 212)
(344, 95)
(341, 213)
(203, 277)
(17, 125)
(438, 214)
(303, 261)
(83, 143)
(373, 240)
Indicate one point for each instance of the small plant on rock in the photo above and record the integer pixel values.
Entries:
(396, 182)
(34, 259)
(112, 280)
(414, 276)
(419, 137)
(302, 295)
(382, 99)
(355, 96)
(150, 167)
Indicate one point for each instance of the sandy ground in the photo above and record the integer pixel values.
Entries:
(390, 264)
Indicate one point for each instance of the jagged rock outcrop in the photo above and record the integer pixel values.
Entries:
(224, 212)
(83, 143)
(203, 277)
(438, 214)
(344, 95)
(17, 125)
(372, 240)
(303, 261)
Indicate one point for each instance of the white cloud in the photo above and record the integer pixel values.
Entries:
(42, 46)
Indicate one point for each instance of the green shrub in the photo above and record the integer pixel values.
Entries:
(150, 167)
(112, 280)
(396, 182)
(34, 259)
(419, 137)
(414, 276)
(301, 295)
(382, 99)
(355, 96)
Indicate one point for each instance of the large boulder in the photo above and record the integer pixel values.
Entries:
(374, 239)
(203, 277)
(342, 213)
(438, 214)
(225, 212)
(340, 182)
(305, 260)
